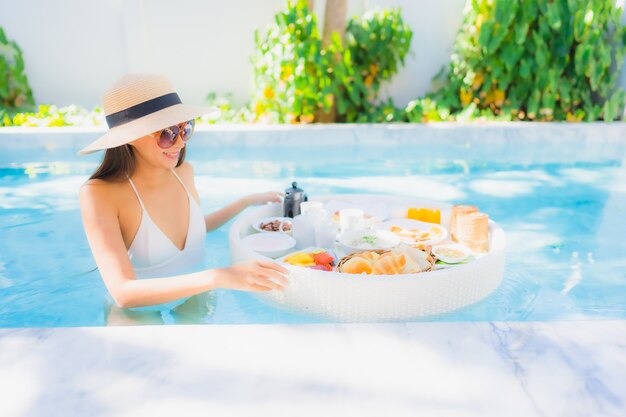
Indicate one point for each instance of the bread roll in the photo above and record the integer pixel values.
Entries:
(456, 211)
(473, 231)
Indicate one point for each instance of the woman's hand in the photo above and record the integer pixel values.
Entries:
(263, 198)
(218, 218)
(253, 275)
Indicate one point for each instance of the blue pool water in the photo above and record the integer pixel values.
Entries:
(562, 205)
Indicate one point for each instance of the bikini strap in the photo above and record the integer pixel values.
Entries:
(181, 182)
(132, 184)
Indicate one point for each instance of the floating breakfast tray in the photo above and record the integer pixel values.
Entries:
(359, 298)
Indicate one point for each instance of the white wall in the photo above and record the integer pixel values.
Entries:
(75, 49)
(434, 25)
(72, 49)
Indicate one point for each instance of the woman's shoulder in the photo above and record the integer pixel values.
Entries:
(102, 192)
(101, 186)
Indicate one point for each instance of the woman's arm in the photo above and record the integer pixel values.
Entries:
(253, 276)
(221, 216)
(100, 219)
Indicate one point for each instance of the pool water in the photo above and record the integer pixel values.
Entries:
(564, 217)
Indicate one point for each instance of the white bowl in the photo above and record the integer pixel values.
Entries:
(272, 245)
(362, 240)
(451, 253)
(257, 225)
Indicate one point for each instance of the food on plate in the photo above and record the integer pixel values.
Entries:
(275, 226)
(401, 260)
(417, 235)
(322, 267)
(320, 260)
(300, 259)
(472, 230)
(429, 215)
(451, 254)
(323, 258)
(456, 212)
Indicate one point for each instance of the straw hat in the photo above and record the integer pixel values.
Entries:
(140, 104)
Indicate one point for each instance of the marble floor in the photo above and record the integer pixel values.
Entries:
(571, 369)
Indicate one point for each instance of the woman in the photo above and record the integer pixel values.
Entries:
(140, 208)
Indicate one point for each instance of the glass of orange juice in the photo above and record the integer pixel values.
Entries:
(424, 214)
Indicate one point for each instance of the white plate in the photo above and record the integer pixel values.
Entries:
(362, 240)
(257, 225)
(309, 250)
(440, 252)
(411, 231)
(271, 245)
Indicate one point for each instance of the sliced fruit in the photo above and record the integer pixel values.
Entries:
(323, 258)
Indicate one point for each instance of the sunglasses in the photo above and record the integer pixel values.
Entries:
(167, 137)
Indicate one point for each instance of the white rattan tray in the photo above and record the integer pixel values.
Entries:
(366, 298)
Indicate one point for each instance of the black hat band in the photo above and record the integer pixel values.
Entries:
(142, 109)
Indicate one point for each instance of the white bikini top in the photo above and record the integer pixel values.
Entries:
(153, 254)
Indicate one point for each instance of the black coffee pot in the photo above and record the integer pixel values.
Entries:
(293, 197)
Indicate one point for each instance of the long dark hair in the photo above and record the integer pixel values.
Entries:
(119, 163)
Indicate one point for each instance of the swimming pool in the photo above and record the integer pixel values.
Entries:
(559, 192)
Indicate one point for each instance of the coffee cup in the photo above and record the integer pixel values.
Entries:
(351, 219)
(313, 209)
(325, 234)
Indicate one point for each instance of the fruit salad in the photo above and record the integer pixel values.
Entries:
(320, 260)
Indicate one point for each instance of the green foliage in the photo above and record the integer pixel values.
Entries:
(512, 60)
(228, 113)
(52, 116)
(73, 115)
(290, 68)
(375, 47)
(15, 92)
(295, 78)
(531, 60)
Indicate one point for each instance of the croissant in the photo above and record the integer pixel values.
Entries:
(385, 254)
(416, 260)
(389, 265)
(369, 256)
(357, 265)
